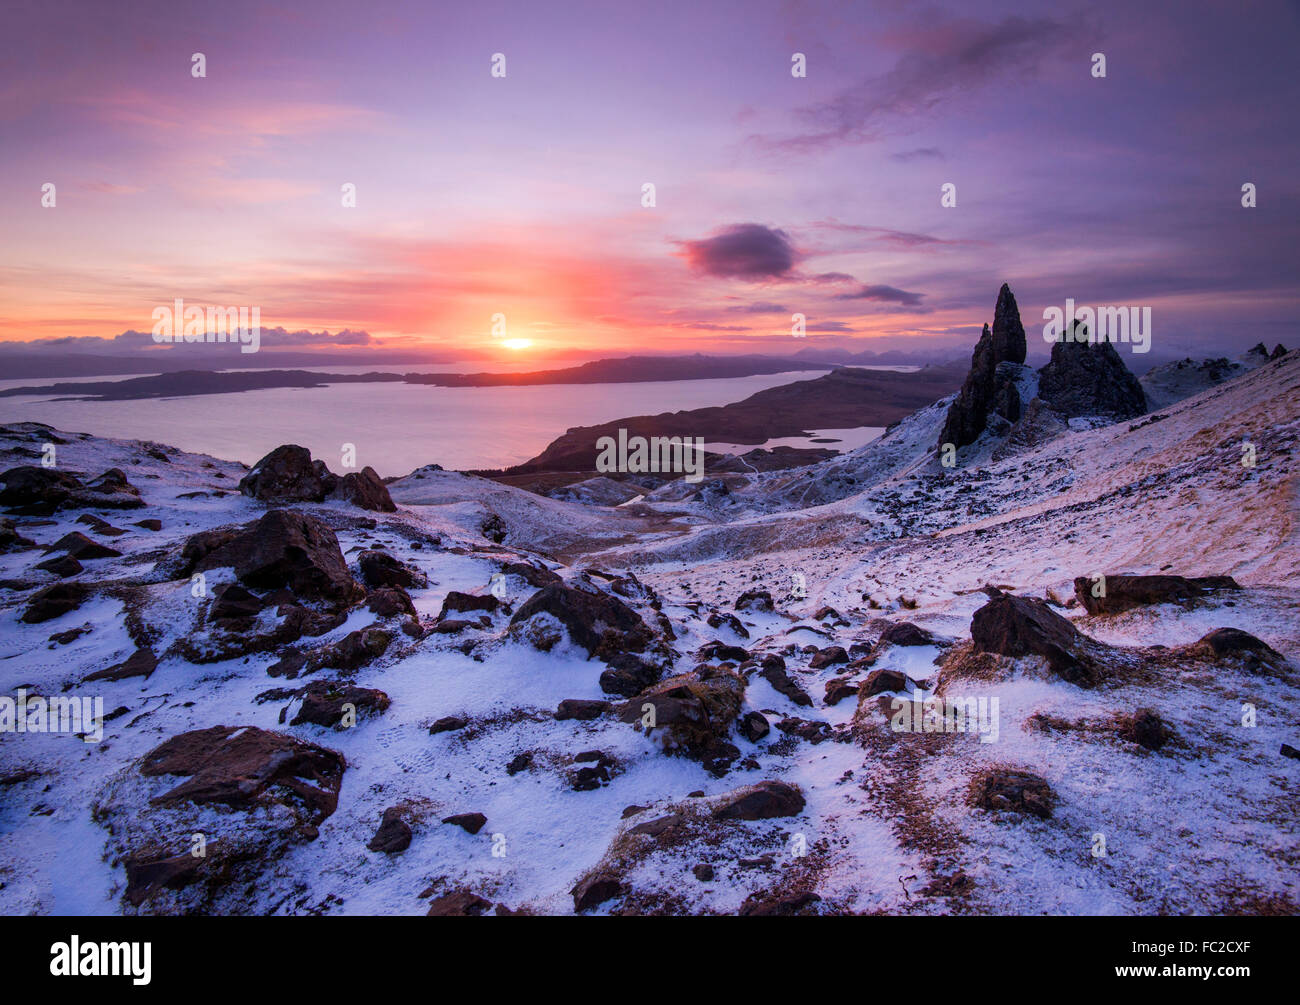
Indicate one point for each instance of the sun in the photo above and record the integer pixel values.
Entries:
(517, 343)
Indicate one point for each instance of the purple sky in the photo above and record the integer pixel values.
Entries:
(774, 195)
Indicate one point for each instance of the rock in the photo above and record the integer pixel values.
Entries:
(1090, 379)
(284, 548)
(364, 488)
(151, 524)
(595, 890)
(471, 822)
(1123, 593)
(234, 601)
(462, 602)
(460, 904)
(54, 601)
(394, 833)
(63, 566)
(763, 801)
(448, 724)
(244, 766)
(287, 475)
(703, 872)
(755, 600)
(754, 726)
(355, 649)
(35, 490)
(11, 540)
(693, 712)
(379, 569)
(717, 620)
(1289, 751)
(601, 624)
(814, 731)
(1016, 791)
(583, 709)
(881, 681)
(829, 656)
(82, 548)
(661, 825)
(390, 602)
(145, 876)
(718, 650)
(1026, 626)
(904, 633)
(1146, 729)
(140, 663)
(111, 490)
(759, 905)
(1246, 650)
(989, 388)
(325, 702)
(774, 673)
(520, 762)
(840, 688)
(827, 613)
(530, 574)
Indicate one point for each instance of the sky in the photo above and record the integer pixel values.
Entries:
(522, 195)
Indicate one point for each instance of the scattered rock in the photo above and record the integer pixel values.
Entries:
(448, 724)
(365, 489)
(1026, 626)
(394, 833)
(761, 801)
(1016, 791)
(595, 890)
(460, 904)
(1123, 593)
(379, 569)
(54, 601)
(755, 600)
(583, 709)
(471, 822)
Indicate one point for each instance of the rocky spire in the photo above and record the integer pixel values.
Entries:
(1090, 378)
(984, 389)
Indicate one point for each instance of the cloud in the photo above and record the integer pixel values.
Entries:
(759, 308)
(883, 294)
(940, 60)
(920, 153)
(742, 251)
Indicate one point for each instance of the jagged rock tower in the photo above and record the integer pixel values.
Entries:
(989, 387)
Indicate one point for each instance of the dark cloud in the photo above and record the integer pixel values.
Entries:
(947, 57)
(920, 153)
(883, 294)
(759, 308)
(742, 251)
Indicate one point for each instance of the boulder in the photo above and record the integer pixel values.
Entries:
(904, 633)
(461, 603)
(458, 904)
(287, 475)
(394, 833)
(471, 822)
(755, 600)
(35, 490)
(829, 656)
(54, 601)
(1014, 791)
(595, 890)
(364, 488)
(1123, 593)
(1026, 626)
(773, 671)
(379, 568)
(583, 709)
(881, 681)
(82, 548)
(285, 548)
(753, 726)
(63, 566)
(325, 702)
(111, 490)
(601, 624)
(762, 801)
(244, 766)
(390, 602)
(693, 713)
(11, 540)
(141, 663)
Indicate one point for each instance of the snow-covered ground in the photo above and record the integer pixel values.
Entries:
(880, 535)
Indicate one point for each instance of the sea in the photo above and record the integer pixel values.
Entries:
(396, 428)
